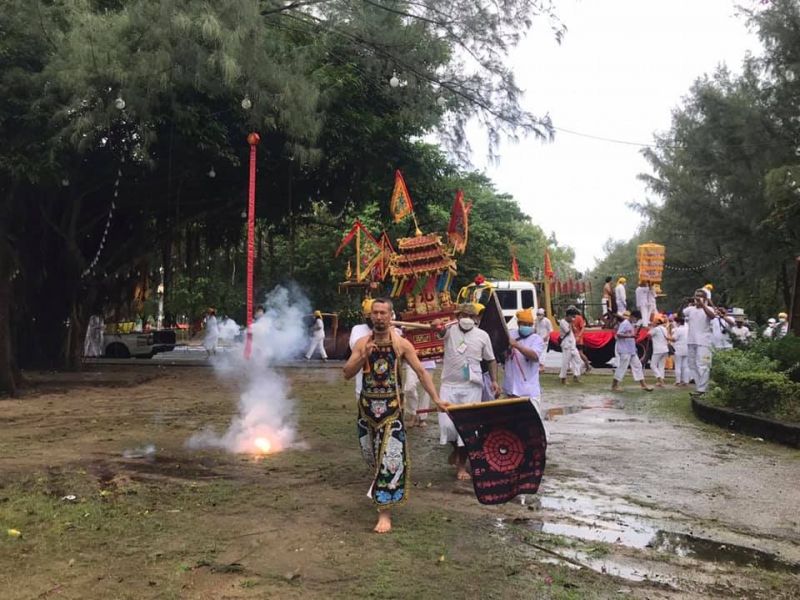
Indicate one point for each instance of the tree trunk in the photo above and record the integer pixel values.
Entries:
(8, 379)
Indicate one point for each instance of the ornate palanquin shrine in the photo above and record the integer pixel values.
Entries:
(422, 270)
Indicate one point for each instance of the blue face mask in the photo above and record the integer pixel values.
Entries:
(525, 330)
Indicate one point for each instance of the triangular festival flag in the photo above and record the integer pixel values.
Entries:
(401, 205)
(458, 229)
(506, 445)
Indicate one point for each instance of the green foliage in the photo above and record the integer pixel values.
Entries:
(752, 381)
(725, 175)
(786, 351)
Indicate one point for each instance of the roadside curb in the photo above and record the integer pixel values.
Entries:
(769, 429)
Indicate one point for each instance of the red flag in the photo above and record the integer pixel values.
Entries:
(458, 230)
(348, 238)
(548, 268)
(514, 268)
(401, 205)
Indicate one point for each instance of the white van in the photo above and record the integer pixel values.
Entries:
(514, 296)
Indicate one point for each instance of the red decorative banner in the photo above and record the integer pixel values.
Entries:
(458, 230)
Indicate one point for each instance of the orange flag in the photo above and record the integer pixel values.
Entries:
(401, 205)
(548, 268)
(514, 268)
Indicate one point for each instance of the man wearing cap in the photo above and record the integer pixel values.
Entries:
(740, 331)
(522, 363)
(465, 346)
(317, 337)
(660, 337)
(609, 302)
(782, 328)
(626, 352)
(543, 329)
(698, 318)
(769, 330)
(619, 295)
(570, 359)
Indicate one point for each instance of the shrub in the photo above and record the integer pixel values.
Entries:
(787, 352)
(754, 381)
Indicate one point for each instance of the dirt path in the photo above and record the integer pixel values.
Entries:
(636, 501)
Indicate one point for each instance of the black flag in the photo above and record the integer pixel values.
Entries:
(493, 323)
(506, 445)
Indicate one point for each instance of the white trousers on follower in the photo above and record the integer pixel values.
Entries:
(657, 363)
(636, 367)
(416, 396)
(570, 359)
(700, 363)
(316, 345)
(683, 373)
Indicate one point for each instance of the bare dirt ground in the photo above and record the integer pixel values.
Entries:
(637, 501)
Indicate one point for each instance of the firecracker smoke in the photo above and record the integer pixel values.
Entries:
(265, 421)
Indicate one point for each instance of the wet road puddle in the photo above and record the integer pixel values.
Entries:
(615, 521)
(590, 403)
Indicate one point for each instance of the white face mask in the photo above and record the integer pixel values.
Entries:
(466, 323)
(782, 320)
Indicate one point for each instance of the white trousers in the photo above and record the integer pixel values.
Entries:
(682, 371)
(570, 359)
(416, 396)
(635, 364)
(316, 345)
(456, 393)
(657, 362)
(700, 363)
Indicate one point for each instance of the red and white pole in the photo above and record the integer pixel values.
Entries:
(252, 139)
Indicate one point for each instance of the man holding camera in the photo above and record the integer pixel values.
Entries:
(699, 315)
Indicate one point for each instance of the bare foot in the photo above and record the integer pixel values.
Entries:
(384, 524)
(616, 389)
(462, 474)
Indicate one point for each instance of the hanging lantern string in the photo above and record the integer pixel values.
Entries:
(698, 267)
(104, 237)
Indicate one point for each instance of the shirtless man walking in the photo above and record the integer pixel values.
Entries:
(378, 358)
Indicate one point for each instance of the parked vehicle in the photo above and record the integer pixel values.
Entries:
(138, 344)
(514, 296)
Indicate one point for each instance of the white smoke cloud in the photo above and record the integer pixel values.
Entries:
(265, 408)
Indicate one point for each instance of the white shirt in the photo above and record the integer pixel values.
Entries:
(544, 328)
(699, 324)
(356, 333)
(318, 330)
(742, 333)
(521, 373)
(659, 336)
(642, 296)
(681, 336)
(567, 335)
(462, 348)
(619, 292)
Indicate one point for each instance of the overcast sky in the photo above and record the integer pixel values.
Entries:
(620, 70)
